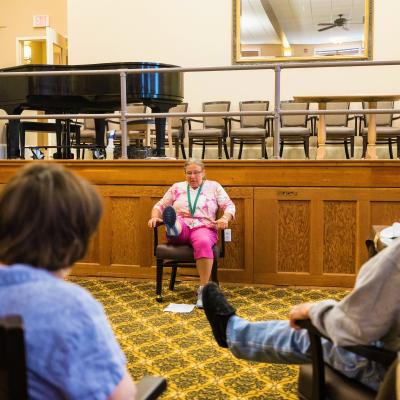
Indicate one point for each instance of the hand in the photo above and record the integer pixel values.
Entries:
(301, 311)
(153, 221)
(221, 223)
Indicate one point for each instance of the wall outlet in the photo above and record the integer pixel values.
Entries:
(228, 235)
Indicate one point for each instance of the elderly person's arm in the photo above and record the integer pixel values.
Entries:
(225, 204)
(367, 313)
(157, 210)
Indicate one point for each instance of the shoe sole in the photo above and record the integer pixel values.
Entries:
(169, 219)
(209, 310)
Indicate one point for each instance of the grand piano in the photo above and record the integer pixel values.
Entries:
(72, 94)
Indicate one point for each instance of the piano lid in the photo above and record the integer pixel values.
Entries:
(86, 93)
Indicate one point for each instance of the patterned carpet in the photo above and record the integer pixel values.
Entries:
(181, 348)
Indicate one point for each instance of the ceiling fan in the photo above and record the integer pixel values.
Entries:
(341, 21)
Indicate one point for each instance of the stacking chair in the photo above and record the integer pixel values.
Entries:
(214, 131)
(13, 376)
(174, 256)
(338, 129)
(178, 125)
(318, 381)
(87, 135)
(386, 133)
(253, 129)
(138, 128)
(294, 128)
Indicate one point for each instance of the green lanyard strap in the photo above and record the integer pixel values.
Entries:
(193, 209)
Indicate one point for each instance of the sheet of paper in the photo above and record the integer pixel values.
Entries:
(179, 308)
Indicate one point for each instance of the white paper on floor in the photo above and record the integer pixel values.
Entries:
(179, 308)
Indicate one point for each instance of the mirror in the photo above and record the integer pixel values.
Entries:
(301, 30)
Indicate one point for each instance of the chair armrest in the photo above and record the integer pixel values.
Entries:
(114, 121)
(155, 237)
(190, 120)
(380, 355)
(194, 120)
(140, 121)
(150, 387)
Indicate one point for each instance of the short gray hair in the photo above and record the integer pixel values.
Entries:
(191, 161)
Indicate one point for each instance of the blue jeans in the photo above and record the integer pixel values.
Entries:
(276, 342)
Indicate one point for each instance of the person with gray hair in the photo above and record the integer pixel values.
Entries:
(189, 211)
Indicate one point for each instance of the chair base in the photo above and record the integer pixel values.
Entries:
(338, 387)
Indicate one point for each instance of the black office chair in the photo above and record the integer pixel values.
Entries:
(174, 256)
(318, 381)
(13, 376)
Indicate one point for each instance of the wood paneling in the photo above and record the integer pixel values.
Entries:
(297, 223)
(339, 237)
(293, 236)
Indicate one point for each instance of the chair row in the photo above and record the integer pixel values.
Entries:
(295, 129)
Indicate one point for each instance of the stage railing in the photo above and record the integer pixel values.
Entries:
(123, 115)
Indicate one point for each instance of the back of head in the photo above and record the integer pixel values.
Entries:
(47, 216)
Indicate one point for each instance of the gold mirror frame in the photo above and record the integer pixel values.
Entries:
(238, 58)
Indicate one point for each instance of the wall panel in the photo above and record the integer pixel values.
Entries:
(297, 223)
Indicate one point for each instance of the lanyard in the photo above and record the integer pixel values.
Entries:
(193, 209)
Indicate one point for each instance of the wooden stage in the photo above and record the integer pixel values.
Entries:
(298, 222)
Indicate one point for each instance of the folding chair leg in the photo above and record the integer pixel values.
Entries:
(231, 147)
(390, 148)
(307, 147)
(365, 143)
(203, 152)
(352, 147)
(281, 149)
(183, 151)
(240, 150)
(177, 149)
(160, 266)
(398, 146)
(219, 148)
(226, 149)
(346, 149)
(190, 148)
(173, 276)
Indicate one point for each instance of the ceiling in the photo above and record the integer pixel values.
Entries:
(267, 21)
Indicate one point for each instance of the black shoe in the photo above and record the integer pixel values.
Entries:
(169, 218)
(218, 312)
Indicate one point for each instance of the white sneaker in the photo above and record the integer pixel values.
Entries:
(199, 303)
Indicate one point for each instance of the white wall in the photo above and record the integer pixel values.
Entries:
(198, 33)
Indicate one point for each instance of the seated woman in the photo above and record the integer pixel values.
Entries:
(47, 216)
(189, 211)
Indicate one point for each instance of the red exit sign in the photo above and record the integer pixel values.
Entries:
(40, 21)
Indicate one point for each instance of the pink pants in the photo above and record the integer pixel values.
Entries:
(202, 240)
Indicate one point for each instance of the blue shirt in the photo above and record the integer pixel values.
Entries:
(70, 348)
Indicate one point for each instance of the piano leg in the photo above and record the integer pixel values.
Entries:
(100, 127)
(13, 134)
(67, 140)
(160, 128)
(58, 154)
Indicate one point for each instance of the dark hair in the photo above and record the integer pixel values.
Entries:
(47, 215)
